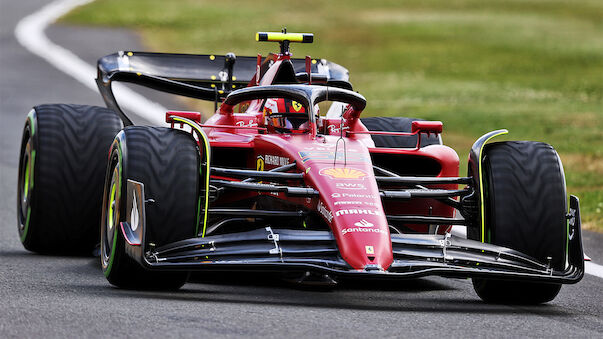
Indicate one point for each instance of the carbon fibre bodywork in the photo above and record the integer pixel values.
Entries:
(200, 76)
(286, 250)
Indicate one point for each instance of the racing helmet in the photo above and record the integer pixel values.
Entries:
(294, 113)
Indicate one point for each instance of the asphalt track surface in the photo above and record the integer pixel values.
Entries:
(69, 297)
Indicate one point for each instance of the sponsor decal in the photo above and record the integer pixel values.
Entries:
(326, 147)
(362, 226)
(343, 173)
(259, 164)
(357, 211)
(334, 129)
(264, 185)
(353, 196)
(572, 223)
(250, 123)
(322, 209)
(349, 186)
(363, 223)
(276, 160)
(134, 214)
(296, 105)
(348, 203)
(369, 249)
(330, 156)
(361, 230)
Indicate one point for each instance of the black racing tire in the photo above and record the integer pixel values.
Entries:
(61, 174)
(166, 161)
(397, 124)
(525, 208)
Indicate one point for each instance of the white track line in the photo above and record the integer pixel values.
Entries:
(593, 269)
(30, 33)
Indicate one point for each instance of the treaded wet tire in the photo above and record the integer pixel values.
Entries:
(397, 124)
(61, 174)
(166, 161)
(525, 199)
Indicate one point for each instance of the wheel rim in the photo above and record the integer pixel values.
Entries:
(112, 216)
(25, 182)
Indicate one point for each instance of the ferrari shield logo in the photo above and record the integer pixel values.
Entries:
(296, 105)
(369, 249)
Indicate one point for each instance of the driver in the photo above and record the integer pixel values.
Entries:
(291, 107)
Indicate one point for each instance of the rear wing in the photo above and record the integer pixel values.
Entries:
(200, 76)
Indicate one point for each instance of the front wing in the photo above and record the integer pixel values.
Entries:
(286, 250)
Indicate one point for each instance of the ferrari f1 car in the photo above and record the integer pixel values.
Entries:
(279, 180)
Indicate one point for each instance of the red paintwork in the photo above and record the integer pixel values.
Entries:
(194, 116)
(427, 126)
(349, 199)
(309, 69)
(123, 232)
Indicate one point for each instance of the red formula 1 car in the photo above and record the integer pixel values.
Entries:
(277, 180)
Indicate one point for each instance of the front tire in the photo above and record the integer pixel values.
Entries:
(525, 207)
(166, 161)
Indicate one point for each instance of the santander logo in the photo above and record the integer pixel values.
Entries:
(362, 226)
(363, 223)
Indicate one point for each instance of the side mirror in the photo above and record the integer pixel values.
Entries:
(427, 127)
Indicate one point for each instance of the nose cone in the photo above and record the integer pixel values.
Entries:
(352, 207)
(349, 201)
(363, 238)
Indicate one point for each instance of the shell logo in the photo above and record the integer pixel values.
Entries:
(343, 173)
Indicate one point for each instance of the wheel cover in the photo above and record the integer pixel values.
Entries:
(26, 175)
(25, 184)
(109, 238)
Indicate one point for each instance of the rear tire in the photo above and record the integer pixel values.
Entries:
(397, 124)
(525, 207)
(61, 173)
(166, 161)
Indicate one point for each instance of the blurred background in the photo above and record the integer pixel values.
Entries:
(534, 67)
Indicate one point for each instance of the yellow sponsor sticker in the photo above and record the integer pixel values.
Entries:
(343, 173)
(259, 165)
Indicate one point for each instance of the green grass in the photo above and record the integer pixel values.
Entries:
(534, 67)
